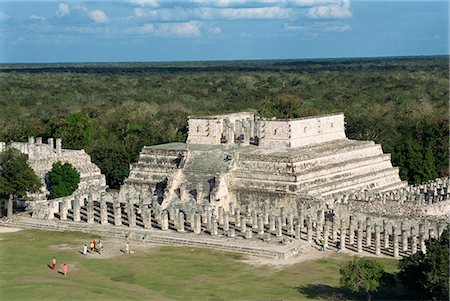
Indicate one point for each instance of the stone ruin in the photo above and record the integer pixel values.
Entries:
(41, 157)
(262, 186)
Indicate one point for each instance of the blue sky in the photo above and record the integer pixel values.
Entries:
(165, 30)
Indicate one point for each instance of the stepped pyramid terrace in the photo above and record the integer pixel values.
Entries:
(238, 160)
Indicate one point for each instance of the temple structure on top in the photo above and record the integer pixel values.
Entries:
(245, 129)
(239, 160)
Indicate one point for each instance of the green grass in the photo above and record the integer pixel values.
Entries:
(164, 273)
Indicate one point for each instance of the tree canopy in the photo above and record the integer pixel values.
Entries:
(17, 178)
(62, 180)
(362, 275)
(428, 274)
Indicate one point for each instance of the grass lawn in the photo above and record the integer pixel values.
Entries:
(164, 273)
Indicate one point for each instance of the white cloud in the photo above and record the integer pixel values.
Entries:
(319, 27)
(3, 16)
(150, 3)
(36, 18)
(98, 16)
(63, 9)
(273, 12)
(182, 29)
(215, 30)
(335, 10)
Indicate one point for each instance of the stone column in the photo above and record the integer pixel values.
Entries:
(260, 224)
(58, 146)
(423, 247)
(90, 210)
(226, 221)
(131, 215)
(243, 225)
(197, 228)
(290, 224)
(266, 214)
(279, 227)
(334, 230)
(377, 240)
(298, 232)
(404, 240)
(301, 217)
(76, 210)
(271, 223)
(237, 216)
(221, 212)
(385, 235)
(283, 217)
(165, 220)
(63, 210)
(117, 213)
(351, 234)
(395, 240)
(254, 220)
(147, 217)
(231, 232)
(413, 241)
(359, 237)
(326, 230)
(180, 224)
(248, 234)
(368, 232)
(214, 226)
(103, 211)
(342, 235)
(308, 230)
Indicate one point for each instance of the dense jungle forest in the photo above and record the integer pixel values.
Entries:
(113, 110)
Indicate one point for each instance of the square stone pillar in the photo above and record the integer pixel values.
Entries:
(377, 240)
(90, 210)
(165, 220)
(309, 230)
(180, 224)
(368, 232)
(226, 222)
(290, 224)
(103, 212)
(342, 235)
(214, 227)
(351, 234)
(76, 210)
(326, 233)
(334, 230)
(359, 238)
(395, 241)
(131, 214)
(237, 217)
(248, 234)
(385, 235)
(147, 217)
(271, 223)
(117, 213)
(254, 220)
(197, 224)
(243, 225)
(298, 232)
(63, 210)
(404, 240)
(221, 212)
(260, 224)
(279, 227)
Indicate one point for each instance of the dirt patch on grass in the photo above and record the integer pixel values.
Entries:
(8, 229)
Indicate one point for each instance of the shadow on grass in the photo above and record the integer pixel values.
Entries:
(326, 292)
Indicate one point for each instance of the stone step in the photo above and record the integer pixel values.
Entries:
(394, 186)
(381, 178)
(163, 237)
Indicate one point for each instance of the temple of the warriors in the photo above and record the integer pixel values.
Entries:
(266, 187)
(241, 160)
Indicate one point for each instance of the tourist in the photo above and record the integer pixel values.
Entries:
(322, 246)
(127, 248)
(54, 263)
(99, 247)
(91, 247)
(95, 245)
(84, 249)
(65, 269)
